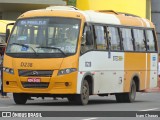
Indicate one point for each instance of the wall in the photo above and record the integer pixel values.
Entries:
(10, 15)
(137, 7)
(156, 17)
(11, 9)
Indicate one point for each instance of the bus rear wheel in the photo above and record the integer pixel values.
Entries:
(127, 97)
(20, 98)
(82, 99)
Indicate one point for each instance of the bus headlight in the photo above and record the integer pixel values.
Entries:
(66, 71)
(8, 70)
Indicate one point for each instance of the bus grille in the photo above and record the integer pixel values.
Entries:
(35, 85)
(40, 73)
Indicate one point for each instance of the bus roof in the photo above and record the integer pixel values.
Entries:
(105, 17)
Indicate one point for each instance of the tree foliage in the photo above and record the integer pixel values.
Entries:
(72, 2)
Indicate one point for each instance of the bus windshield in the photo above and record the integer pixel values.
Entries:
(35, 37)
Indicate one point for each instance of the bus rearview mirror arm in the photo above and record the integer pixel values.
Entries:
(8, 31)
(7, 34)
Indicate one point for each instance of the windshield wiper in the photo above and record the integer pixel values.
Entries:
(20, 44)
(53, 48)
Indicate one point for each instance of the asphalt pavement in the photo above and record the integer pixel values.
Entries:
(144, 102)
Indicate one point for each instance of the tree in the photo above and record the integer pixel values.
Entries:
(72, 2)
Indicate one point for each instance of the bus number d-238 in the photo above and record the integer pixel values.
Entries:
(26, 64)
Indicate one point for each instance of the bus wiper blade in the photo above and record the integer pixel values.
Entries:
(53, 48)
(20, 44)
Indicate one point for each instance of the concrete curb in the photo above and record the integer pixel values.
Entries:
(157, 89)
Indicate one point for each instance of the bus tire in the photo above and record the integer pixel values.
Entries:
(130, 97)
(20, 98)
(127, 97)
(82, 99)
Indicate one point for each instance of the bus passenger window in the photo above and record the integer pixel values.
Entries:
(2, 38)
(139, 40)
(127, 39)
(84, 46)
(100, 37)
(150, 40)
(114, 38)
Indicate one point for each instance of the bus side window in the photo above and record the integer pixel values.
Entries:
(101, 38)
(2, 38)
(114, 38)
(127, 39)
(150, 40)
(139, 40)
(84, 46)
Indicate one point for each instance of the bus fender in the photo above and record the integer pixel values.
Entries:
(90, 78)
(136, 78)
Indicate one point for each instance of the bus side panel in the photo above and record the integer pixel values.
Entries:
(153, 70)
(108, 72)
(135, 65)
(148, 69)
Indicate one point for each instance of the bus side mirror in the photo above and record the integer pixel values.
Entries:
(89, 38)
(7, 34)
(8, 31)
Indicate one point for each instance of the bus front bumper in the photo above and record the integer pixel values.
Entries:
(64, 84)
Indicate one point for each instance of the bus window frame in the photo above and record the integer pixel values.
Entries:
(155, 40)
(133, 40)
(105, 38)
(143, 29)
(130, 28)
(91, 29)
(120, 36)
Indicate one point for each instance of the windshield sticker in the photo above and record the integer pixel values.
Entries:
(33, 22)
(22, 38)
(24, 48)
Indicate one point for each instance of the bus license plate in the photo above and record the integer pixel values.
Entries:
(34, 80)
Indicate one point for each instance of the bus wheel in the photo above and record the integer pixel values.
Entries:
(132, 94)
(83, 98)
(127, 97)
(20, 98)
